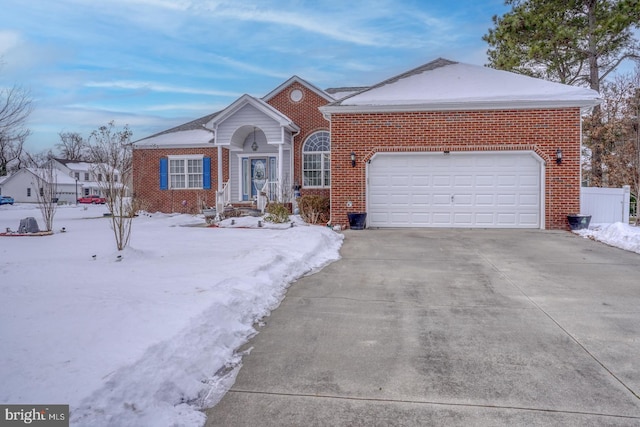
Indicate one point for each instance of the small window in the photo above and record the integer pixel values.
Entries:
(316, 160)
(86, 176)
(28, 192)
(77, 175)
(41, 192)
(99, 177)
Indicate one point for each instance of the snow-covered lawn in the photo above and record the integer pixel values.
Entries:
(150, 339)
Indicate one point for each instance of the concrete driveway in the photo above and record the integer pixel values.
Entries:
(450, 327)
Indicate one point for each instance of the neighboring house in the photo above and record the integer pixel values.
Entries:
(2, 179)
(443, 145)
(90, 179)
(23, 185)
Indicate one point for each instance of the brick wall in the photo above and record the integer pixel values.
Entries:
(543, 131)
(306, 115)
(146, 180)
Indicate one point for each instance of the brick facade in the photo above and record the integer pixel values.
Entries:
(306, 115)
(146, 180)
(543, 131)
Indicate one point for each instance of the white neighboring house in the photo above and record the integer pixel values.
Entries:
(90, 180)
(22, 185)
(89, 176)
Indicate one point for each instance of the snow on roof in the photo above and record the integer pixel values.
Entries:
(444, 83)
(79, 166)
(179, 138)
(342, 92)
(60, 177)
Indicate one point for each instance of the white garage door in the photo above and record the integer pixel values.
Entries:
(481, 190)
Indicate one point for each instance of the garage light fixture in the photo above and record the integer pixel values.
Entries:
(558, 156)
(353, 159)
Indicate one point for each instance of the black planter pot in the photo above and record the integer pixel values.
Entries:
(578, 222)
(357, 220)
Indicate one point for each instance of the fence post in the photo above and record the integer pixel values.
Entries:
(625, 204)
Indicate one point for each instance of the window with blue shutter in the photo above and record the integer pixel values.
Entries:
(164, 174)
(206, 173)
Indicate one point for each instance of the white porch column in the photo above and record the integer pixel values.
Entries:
(280, 170)
(219, 168)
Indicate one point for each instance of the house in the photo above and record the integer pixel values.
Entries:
(445, 144)
(24, 184)
(89, 176)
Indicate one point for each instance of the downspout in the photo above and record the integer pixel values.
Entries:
(220, 178)
(327, 117)
(291, 162)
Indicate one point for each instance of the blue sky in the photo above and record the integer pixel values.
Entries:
(154, 64)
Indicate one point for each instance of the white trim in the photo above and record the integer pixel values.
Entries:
(220, 184)
(185, 156)
(540, 160)
(279, 156)
(584, 105)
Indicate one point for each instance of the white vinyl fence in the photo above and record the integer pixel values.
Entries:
(605, 205)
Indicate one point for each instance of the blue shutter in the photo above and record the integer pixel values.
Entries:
(206, 173)
(164, 175)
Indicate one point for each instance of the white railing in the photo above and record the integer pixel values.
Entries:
(223, 198)
(268, 192)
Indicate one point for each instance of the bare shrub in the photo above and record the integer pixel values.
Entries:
(314, 209)
(277, 213)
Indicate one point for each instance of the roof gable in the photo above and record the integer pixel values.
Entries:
(444, 84)
(259, 105)
(306, 84)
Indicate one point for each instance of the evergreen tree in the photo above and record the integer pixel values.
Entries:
(577, 42)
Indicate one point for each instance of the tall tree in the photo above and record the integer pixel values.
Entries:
(15, 107)
(577, 42)
(621, 132)
(569, 41)
(72, 146)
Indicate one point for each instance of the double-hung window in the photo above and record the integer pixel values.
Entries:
(185, 171)
(316, 160)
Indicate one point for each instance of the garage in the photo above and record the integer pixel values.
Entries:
(455, 189)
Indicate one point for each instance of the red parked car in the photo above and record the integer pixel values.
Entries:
(93, 199)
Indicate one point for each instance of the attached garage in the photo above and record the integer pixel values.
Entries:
(456, 189)
(449, 144)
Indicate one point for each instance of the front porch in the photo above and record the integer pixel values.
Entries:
(259, 141)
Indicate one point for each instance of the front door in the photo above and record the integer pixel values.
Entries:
(255, 172)
(258, 175)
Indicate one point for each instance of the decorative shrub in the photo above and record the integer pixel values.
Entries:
(314, 209)
(277, 213)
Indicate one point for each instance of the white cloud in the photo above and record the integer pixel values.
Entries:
(341, 25)
(186, 107)
(155, 87)
(8, 41)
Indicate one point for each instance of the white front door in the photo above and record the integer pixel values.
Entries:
(459, 189)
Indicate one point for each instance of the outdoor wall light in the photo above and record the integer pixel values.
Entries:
(558, 156)
(254, 146)
(353, 159)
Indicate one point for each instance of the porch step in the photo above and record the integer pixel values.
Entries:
(241, 209)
